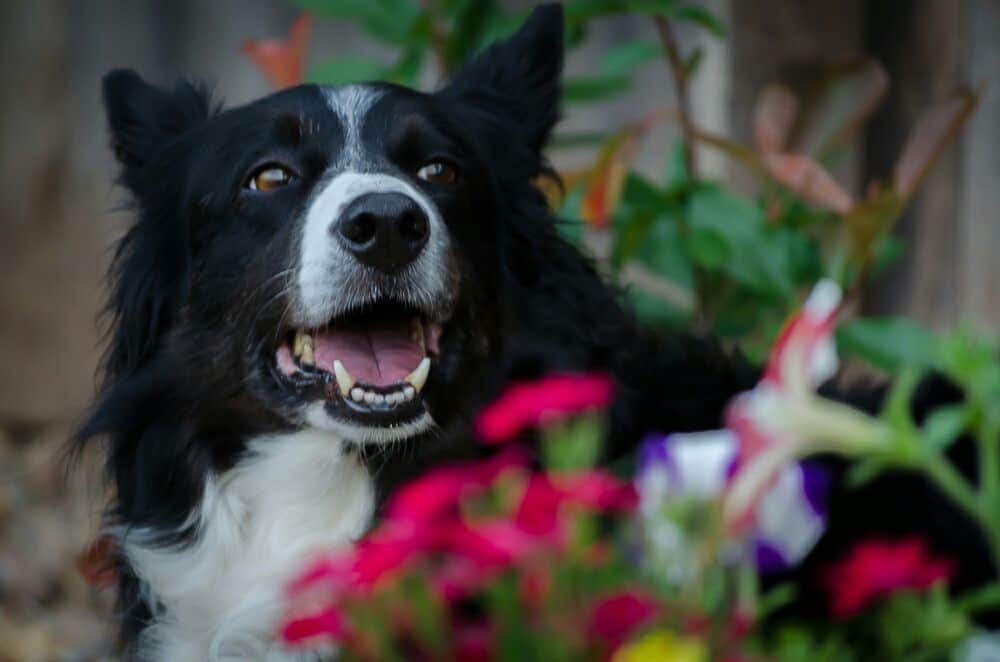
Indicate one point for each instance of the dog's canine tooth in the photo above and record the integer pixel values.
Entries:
(302, 347)
(344, 379)
(357, 394)
(409, 392)
(307, 357)
(418, 377)
(298, 342)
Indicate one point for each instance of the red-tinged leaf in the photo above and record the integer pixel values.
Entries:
(840, 104)
(607, 178)
(809, 180)
(774, 117)
(95, 563)
(282, 61)
(934, 131)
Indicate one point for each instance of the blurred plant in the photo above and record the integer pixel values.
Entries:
(691, 252)
(501, 560)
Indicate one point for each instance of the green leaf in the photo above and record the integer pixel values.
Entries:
(676, 170)
(663, 253)
(344, 70)
(572, 445)
(708, 248)
(754, 256)
(581, 11)
(628, 57)
(699, 16)
(888, 342)
(471, 19)
(391, 21)
(585, 89)
(943, 427)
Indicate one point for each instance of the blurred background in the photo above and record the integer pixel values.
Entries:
(58, 219)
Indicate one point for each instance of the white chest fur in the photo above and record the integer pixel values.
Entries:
(294, 495)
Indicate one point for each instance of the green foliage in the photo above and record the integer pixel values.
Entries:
(890, 343)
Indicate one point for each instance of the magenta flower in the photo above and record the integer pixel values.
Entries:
(617, 617)
(328, 623)
(874, 569)
(426, 528)
(553, 398)
(440, 491)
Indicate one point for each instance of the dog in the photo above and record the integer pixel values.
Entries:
(318, 291)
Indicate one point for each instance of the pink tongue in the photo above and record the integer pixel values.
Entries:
(377, 354)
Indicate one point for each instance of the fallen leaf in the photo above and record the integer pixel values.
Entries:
(94, 563)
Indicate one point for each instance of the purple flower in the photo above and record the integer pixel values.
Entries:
(681, 468)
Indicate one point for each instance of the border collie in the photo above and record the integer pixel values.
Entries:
(318, 290)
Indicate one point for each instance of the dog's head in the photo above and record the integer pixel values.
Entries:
(324, 256)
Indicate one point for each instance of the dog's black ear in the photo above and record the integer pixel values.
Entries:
(150, 268)
(517, 79)
(143, 118)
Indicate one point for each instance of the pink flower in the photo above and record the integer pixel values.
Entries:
(552, 398)
(617, 617)
(876, 568)
(547, 494)
(328, 623)
(439, 492)
(597, 490)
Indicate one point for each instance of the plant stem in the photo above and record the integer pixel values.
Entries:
(680, 78)
(960, 491)
(989, 463)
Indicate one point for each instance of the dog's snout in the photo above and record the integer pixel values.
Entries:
(384, 230)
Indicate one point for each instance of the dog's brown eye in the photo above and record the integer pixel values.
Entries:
(437, 172)
(269, 178)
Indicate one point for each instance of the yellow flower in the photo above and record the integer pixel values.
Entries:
(662, 646)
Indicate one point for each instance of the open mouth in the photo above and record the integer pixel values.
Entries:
(371, 365)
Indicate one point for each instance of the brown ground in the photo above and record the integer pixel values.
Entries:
(47, 611)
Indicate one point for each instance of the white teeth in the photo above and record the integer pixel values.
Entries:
(302, 347)
(417, 331)
(344, 379)
(393, 399)
(418, 377)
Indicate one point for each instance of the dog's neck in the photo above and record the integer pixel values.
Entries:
(219, 597)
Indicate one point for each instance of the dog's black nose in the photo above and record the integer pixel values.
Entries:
(384, 230)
